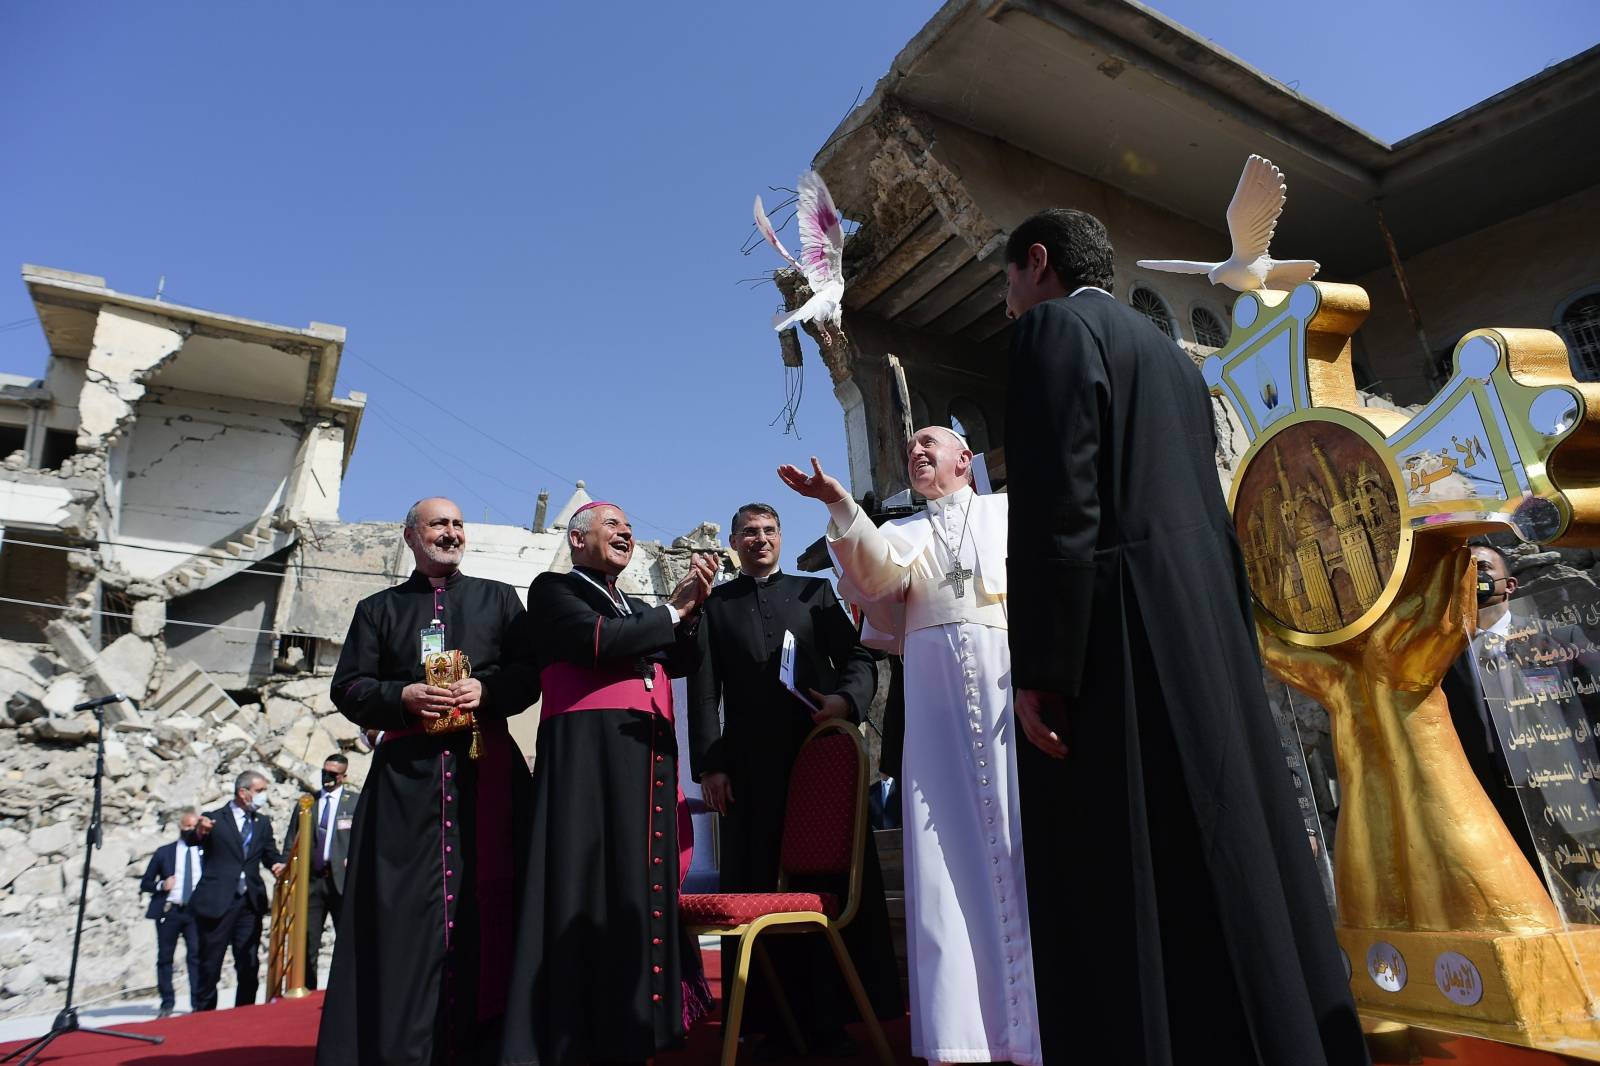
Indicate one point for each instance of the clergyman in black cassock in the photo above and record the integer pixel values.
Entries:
(1175, 910)
(604, 970)
(743, 764)
(423, 949)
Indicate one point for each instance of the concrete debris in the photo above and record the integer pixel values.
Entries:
(126, 666)
(149, 618)
(184, 752)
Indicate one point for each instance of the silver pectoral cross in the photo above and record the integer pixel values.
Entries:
(957, 578)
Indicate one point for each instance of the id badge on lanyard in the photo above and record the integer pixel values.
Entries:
(431, 637)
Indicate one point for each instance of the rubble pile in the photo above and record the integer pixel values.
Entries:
(180, 748)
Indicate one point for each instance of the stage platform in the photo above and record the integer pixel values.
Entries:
(285, 1033)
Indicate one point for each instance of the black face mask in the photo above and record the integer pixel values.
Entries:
(190, 836)
(1486, 587)
(329, 782)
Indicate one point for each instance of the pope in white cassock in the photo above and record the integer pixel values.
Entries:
(933, 587)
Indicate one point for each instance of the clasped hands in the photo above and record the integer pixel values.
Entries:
(425, 701)
(692, 591)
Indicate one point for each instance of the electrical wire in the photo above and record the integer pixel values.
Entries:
(434, 404)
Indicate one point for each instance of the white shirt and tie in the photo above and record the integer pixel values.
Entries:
(240, 815)
(185, 872)
(327, 821)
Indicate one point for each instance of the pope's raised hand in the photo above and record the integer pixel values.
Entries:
(816, 486)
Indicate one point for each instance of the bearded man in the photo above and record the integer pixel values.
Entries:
(604, 970)
(422, 956)
(935, 585)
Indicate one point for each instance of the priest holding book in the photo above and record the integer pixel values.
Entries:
(753, 626)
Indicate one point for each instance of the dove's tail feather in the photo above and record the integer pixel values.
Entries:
(1177, 266)
(820, 306)
(1289, 272)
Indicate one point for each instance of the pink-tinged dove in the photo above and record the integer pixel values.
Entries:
(1252, 218)
(821, 256)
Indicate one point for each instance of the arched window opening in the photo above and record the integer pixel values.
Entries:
(1149, 303)
(1580, 328)
(1208, 328)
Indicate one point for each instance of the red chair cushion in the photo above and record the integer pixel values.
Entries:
(819, 821)
(736, 908)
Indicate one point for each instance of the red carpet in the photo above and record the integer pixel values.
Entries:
(284, 1034)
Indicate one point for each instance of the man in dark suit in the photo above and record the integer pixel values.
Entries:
(331, 818)
(1162, 835)
(742, 762)
(231, 897)
(171, 878)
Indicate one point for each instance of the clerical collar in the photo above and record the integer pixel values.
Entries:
(1088, 288)
(769, 579)
(427, 582)
(958, 498)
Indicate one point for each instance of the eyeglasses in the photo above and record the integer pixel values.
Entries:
(750, 532)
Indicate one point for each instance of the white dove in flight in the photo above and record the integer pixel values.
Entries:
(821, 257)
(1252, 218)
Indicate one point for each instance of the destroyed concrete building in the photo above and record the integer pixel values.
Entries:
(169, 529)
(998, 109)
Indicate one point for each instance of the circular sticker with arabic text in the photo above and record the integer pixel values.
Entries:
(1386, 966)
(1458, 978)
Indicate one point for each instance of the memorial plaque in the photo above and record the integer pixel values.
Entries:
(1538, 668)
(1319, 523)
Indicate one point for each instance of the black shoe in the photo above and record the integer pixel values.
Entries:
(163, 1012)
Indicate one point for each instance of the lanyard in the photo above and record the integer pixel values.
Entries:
(620, 602)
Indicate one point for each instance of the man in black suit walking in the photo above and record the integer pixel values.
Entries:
(171, 878)
(331, 819)
(231, 898)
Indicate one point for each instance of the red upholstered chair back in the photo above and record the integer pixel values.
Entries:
(827, 791)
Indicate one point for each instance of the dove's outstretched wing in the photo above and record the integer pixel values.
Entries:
(1178, 266)
(1253, 213)
(1287, 273)
(765, 226)
(821, 239)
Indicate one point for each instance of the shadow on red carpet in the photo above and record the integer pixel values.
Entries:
(285, 1034)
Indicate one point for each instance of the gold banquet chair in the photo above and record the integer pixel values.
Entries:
(824, 830)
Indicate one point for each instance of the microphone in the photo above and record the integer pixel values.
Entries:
(115, 697)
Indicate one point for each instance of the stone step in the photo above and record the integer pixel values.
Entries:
(190, 690)
(234, 548)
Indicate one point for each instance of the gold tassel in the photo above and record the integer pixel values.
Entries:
(472, 752)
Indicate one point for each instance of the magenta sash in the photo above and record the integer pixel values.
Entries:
(568, 688)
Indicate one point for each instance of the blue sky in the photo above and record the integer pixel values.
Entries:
(533, 212)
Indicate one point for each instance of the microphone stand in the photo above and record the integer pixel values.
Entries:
(67, 1020)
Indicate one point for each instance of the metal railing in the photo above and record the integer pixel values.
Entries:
(291, 896)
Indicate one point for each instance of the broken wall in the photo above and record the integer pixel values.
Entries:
(236, 655)
(194, 471)
(1517, 273)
